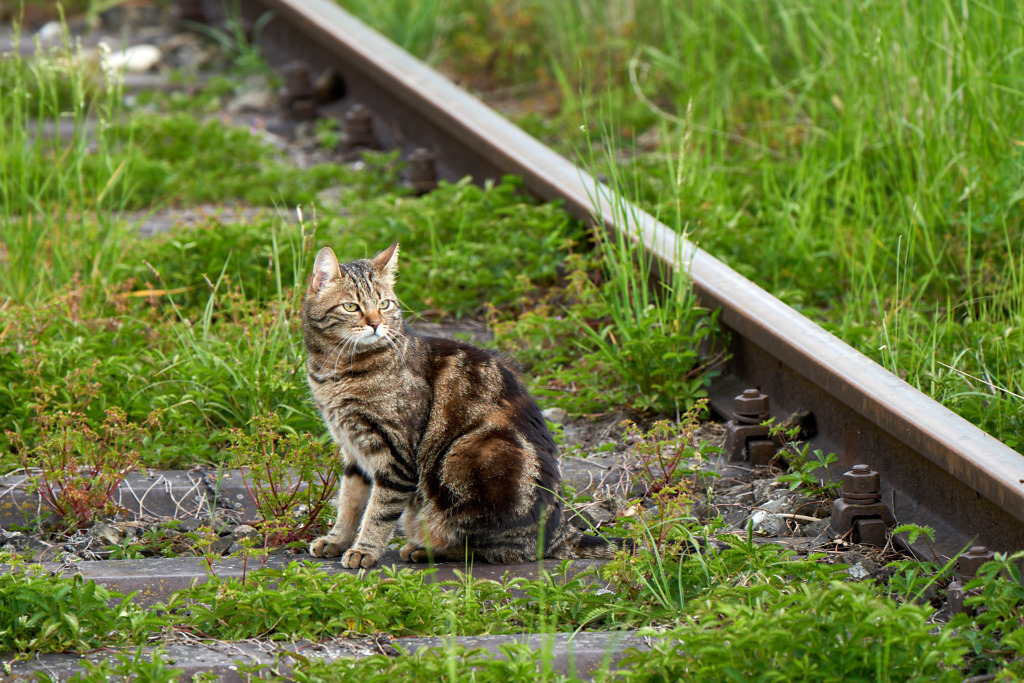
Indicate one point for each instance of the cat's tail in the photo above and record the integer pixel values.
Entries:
(570, 543)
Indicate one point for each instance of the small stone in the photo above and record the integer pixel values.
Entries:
(252, 102)
(50, 554)
(50, 31)
(556, 415)
(745, 498)
(737, 490)
(768, 523)
(869, 565)
(106, 534)
(798, 505)
(814, 529)
(218, 546)
(764, 488)
(241, 533)
(134, 59)
(858, 572)
(734, 516)
(776, 506)
(15, 539)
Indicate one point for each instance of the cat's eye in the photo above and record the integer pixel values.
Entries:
(351, 308)
(384, 305)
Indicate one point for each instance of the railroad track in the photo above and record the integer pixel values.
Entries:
(935, 468)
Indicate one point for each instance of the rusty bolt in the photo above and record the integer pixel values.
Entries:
(359, 128)
(861, 486)
(421, 173)
(750, 407)
(970, 562)
(860, 509)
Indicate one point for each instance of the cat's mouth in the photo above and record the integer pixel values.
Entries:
(371, 336)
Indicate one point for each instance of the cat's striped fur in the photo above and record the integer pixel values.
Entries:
(435, 432)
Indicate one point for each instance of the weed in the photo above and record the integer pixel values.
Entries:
(994, 633)
(652, 337)
(48, 180)
(176, 158)
(43, 613)
(76, 469)
(845, 633)
(668, 451)
(911, 580)
(689, 566)
(327, 133)
(303, 601)
(239, 41)
(291, 479)
(148, 665)
(451, 664)
(803, 471)
(592, 348)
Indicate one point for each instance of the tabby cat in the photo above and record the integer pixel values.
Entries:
(435, 433)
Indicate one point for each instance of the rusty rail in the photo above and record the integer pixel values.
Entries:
(936, 468)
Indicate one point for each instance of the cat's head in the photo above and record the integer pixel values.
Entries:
(354, 303)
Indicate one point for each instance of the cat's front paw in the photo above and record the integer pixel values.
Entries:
(328, 546)
(360, 558)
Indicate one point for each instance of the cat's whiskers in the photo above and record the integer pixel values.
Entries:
(340, 350)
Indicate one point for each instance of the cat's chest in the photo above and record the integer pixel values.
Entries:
(355, 446)
(357, 442)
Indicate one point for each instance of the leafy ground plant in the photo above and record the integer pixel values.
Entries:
(669, 451)
(76, 469)
(290, 477)
(150, 666)
(304, 601)
(837, 632)
(993, 626)
(43, 613)
(603, 340)
(452, 664)
(804, 466)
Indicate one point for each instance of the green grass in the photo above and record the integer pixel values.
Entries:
(734, 612)
(862, 161)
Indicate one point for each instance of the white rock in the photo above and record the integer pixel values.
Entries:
(858, 572)
(767, 523)
(50, 31)
(135, 59)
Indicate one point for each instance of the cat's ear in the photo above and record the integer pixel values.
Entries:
(386, 264)
(325, 269)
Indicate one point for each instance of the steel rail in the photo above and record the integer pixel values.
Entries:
(936, 468)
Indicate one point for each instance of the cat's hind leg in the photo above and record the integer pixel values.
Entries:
(351, 503)
(430, 537)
